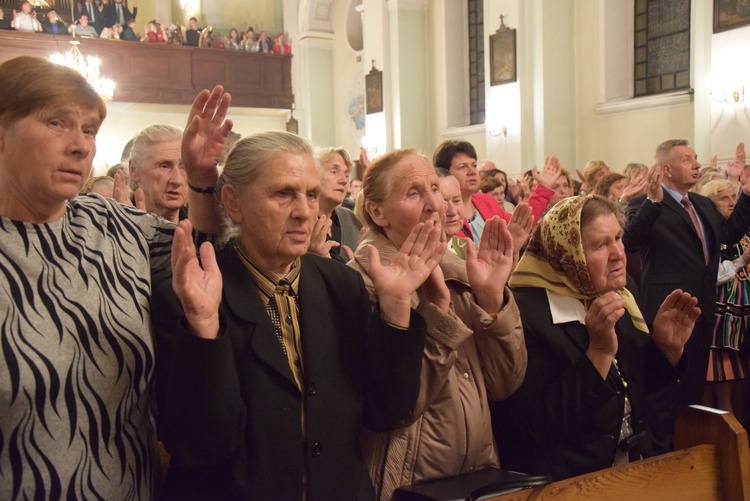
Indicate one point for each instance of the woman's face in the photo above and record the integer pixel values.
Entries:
(616, 189)
(561, 189)
(465, 169)
(414, 196)
(598, 175)
(725, 201)
(499, 194)
(605, 253)
(454, 205)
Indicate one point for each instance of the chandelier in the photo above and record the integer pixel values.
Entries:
(88, 67)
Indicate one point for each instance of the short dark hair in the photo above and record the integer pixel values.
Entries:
(444, 153)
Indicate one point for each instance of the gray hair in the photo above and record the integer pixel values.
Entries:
(712, 188)
(323, 155)
(664, 150)
(247, 162)
(151, 135)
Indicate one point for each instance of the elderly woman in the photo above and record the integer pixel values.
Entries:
(729, 361)
(474, 350)
(77, 273)
(336, 232)
(594, 372)
(266, 385)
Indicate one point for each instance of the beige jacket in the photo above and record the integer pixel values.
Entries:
(469, 358)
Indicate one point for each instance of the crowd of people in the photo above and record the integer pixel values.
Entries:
(277, 345)
(112, 19)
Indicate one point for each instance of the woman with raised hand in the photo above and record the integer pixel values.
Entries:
(474, 350)
(598, 389)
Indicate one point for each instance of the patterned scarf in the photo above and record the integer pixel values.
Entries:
(554, 259)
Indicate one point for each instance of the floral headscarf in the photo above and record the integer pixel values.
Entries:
(554, 258)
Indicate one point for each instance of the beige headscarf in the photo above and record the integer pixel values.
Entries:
(554, 259)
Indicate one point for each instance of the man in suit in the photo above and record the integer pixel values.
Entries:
(264, 386)
(118, 13)
(678, 234)
(94, 14)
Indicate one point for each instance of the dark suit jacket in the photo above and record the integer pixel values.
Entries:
(110, 14)
(231, 413)
(672, 258)
(565, 419)
(98, 24)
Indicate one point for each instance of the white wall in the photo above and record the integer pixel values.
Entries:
(125, 120)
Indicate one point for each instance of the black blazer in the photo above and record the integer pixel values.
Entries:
(110, 14)
(231, 413)
(565, 419)
(672, 258)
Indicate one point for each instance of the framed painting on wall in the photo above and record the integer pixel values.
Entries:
(503, 56)
(730, 14)
(374, 91)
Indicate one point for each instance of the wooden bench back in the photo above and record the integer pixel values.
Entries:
(711, 462)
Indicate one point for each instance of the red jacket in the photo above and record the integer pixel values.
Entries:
(487, 207)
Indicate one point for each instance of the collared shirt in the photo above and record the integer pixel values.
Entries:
(678, 198)
(280, 297)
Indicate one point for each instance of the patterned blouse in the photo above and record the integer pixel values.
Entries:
(76, 352)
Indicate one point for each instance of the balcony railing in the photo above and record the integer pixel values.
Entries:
(170, 74)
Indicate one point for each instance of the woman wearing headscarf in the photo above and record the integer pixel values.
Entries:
(474, 349)
(593, 369)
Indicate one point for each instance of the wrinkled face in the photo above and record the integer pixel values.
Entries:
(277, 212)
(605, 253)
(354, 188)
(465, 169)
(683, 169)
(562, 190)
(616, 189)
(45, 158)
(725, 201)
(454, 205)
(334, 180)
(414, 196)
(162, 178)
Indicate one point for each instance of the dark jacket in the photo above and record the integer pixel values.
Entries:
(231, 413)
(110, 14)
(565, 419)
(672, 258)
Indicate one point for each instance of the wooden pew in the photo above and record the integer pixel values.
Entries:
(711, 462)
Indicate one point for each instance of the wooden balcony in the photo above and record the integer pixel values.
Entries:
(170, 74)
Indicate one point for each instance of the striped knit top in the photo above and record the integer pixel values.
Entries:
(76, 352)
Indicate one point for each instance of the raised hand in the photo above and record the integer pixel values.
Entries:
(550, 172)
(319, 243)
(198, 288)
(520, 225)
(674, 324)
(205, 135)
(122, 193)
(601, 318)
(654, 189)
(364, 161)
(394, 284)
(490, 266)
(637, 186)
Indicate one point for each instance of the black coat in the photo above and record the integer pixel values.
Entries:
(565, 419)
(231, 413)
(672, 258)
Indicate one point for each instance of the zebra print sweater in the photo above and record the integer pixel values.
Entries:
(76, 352)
